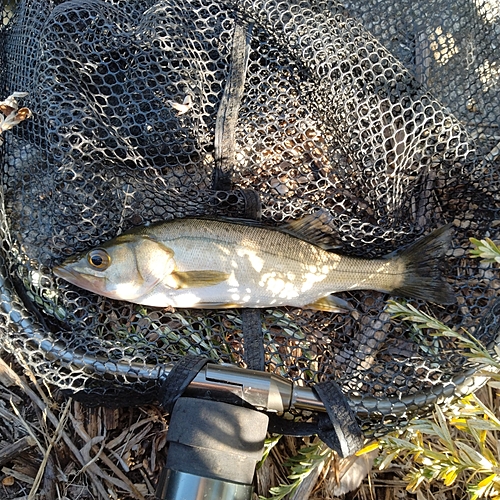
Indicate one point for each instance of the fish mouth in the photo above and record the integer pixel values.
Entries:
(86, 281)
(65, 273)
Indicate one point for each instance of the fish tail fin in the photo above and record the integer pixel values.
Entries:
(422, 277)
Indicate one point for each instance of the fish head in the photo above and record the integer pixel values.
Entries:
(126, 268)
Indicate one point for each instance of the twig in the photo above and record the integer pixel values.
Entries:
(18, 475)
(124, 482)
(119, 439)
(149, 486)
(53, 441)
(48, 491)
(11, 451)
(89, 445)
(137, 438)
(28, 428)
(14, 379)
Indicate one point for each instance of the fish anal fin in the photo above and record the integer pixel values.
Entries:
(196, 279)
(330, 303)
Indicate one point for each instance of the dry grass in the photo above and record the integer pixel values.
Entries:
(53, 448)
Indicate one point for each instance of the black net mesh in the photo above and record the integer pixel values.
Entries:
(383, 114)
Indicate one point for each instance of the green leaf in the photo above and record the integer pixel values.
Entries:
(474, 458)
(485, 250)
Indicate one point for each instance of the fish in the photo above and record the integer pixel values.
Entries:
(225, 263)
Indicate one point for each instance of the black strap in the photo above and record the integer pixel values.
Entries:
(181, 375)
(225, 156)
(227, 114)
(251, 320)
(280, 425)
(339, 429)
(251, 326)
(253, 204)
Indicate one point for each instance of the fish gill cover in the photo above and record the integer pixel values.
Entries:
(382, 117)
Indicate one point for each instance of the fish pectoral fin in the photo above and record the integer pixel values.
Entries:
(196, 279)
(330, 303)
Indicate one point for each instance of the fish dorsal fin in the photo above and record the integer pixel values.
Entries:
(313, 228)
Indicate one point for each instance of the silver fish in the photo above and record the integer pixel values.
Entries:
(208, 263)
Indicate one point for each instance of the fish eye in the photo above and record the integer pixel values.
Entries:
(99, 259)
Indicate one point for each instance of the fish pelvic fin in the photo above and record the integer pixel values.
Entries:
(196, 279)
(422, 277)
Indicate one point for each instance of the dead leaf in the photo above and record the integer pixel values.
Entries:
(8, 481)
